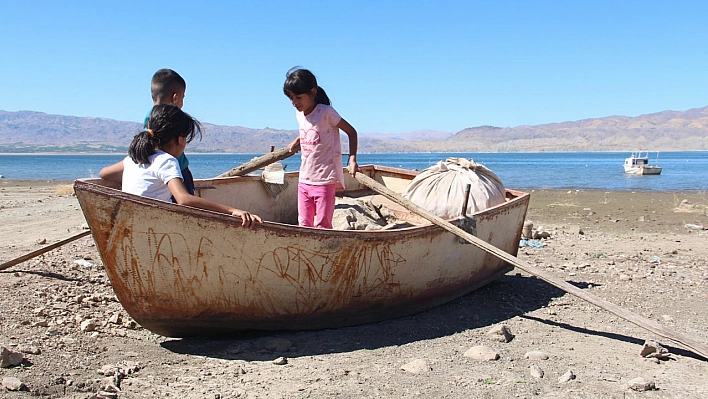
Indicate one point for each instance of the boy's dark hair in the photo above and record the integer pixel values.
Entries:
(165, 83)
(165, 123)
(301, 81)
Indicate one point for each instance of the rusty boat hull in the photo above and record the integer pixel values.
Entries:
(180, 271)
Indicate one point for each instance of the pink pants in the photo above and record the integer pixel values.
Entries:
(315, 205)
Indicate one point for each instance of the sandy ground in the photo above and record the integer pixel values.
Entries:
(644, 252)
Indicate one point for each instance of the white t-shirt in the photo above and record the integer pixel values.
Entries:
(150, 180)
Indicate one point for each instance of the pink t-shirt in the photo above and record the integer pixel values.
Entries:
(320, 147)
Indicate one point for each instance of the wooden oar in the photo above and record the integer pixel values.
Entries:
(695, 346)
(43, 250)
(259, 162)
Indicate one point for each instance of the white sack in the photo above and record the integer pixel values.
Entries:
(440, 188)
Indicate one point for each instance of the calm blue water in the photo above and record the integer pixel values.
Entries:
(683, 171)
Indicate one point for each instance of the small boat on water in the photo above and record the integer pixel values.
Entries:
(638, 164)
(181, 271)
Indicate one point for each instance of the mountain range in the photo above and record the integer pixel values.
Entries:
(29, 131)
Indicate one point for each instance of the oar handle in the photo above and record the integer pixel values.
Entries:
(43, 250)
(257, 163)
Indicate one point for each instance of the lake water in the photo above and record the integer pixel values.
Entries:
(682, 171)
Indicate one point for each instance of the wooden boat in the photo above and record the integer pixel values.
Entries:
(181, 271)
(638, 164)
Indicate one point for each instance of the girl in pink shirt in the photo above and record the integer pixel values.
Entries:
(321, 170)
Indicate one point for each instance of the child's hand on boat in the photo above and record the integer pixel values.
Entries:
(247, 219)
(353, 167)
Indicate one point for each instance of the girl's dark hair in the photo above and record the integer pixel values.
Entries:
(165, 123)
(301, 81)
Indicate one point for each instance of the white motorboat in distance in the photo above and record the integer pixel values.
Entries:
(638, 164)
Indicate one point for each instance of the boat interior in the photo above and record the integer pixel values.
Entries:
(278, 202)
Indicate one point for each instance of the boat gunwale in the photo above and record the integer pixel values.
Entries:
(90, 185)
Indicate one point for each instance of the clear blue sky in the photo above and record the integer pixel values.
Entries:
(388, 66)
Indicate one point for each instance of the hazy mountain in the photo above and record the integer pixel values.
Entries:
(28, 131)
(418, 135)
(665, 131)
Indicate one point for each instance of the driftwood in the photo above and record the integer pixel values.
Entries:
(687, 342)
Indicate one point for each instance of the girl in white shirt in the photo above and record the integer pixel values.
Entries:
(151, 168)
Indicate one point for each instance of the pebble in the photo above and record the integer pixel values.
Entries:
(13, 384)
(116, 318)
(129, 368)
(652, 349)
(9, 358)
(280, 361)
(108, 370)
(106, 395)
(501, 333)
(568, 376)
(88, 325)
(417, 366)
(54, 331)
(541, 234)
(84, 263)
(527, 231)
(536, 371)
(40, 311)
(30, 349)
(131, 324)
(536, 355)
(667, 318)
(641, 384)
(482, 353)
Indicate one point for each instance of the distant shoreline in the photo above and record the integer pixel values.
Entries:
(539, 191)
(27, 182)
(364, 153)
(116, 153)
(60, 153)
(563, 170)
